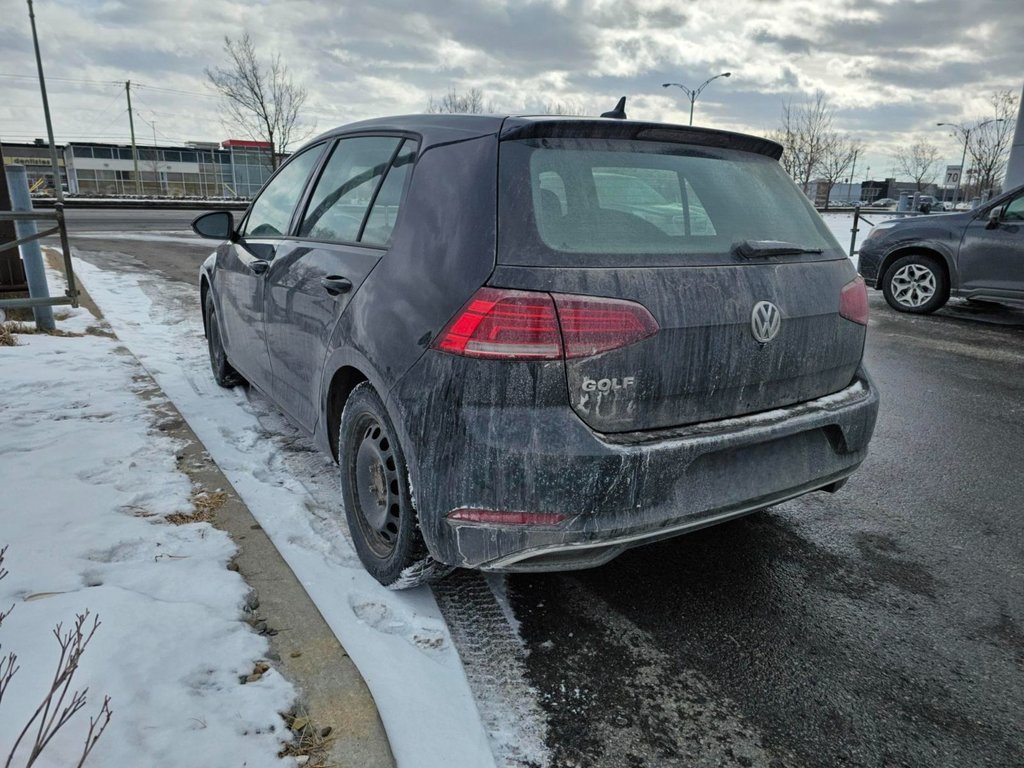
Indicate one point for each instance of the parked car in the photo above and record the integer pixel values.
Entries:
(884, 202)
(919, 262)
(513, 366)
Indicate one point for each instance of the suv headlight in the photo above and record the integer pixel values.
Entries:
(880, 229)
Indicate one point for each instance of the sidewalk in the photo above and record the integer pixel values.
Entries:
(108, 502)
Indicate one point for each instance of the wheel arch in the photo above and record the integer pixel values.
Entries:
(343, 381)
(204, 290)
(918, 249)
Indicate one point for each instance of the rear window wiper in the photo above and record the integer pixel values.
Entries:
(752, 249)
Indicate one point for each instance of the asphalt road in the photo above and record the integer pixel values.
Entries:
(153, 239)
(880, 626)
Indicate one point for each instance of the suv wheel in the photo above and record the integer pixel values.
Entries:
(915, 283)
(378, 504)
(223, 373)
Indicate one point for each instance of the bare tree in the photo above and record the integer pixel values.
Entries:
(260, 97)
(567, 108)
(471, 102)
(837, 157)
(804, 133)
(919, 161)
(990, 139)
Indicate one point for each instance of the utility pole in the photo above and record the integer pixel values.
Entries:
(131, 126)
(58, 188)
(1015, 166)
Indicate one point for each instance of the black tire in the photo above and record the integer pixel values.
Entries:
(223, 373)
(916, 283)
(378, 503)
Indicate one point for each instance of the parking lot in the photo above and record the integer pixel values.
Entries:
(877, 626)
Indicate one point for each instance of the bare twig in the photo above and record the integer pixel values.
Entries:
(52, 713)
(97, 725)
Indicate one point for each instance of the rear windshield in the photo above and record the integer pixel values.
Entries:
(563, 200)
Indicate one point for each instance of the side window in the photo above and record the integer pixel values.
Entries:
(272, 212)
(1015, 210)
(385, 207)
(345, 188)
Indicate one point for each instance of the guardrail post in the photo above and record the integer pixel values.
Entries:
(31, 254)
(853, 232)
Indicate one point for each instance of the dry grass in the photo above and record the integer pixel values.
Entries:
(205, 503)
(23, 328)
(6, 337)
(311, 742)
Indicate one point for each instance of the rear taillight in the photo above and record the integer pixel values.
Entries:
(501, 517)
(509, 325)
(524, 325)
(853, 301)
(592, 325)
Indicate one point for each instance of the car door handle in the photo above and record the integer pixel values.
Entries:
(259, 266)
(336, 285)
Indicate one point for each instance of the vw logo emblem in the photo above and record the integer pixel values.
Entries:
(765, 321)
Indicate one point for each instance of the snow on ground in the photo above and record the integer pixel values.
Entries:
(87, 482)
(841, 225)
(398, 640)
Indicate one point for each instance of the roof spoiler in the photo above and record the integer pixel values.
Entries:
(633, 130)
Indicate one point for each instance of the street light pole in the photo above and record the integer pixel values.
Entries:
(692, 94)
(966, 133)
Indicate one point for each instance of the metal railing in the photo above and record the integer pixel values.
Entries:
(56, 215)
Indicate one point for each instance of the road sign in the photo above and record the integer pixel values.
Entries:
(952, 175)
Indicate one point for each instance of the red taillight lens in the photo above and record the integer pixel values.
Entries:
(853, 301)
(510, 325)
(498, 517)
(524, 325)
(592, 325)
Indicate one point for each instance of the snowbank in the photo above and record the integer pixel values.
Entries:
(86, 482)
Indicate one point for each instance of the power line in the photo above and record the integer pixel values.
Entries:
(175, 90)
(62, 79)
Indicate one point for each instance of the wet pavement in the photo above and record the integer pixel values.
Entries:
(880, 626)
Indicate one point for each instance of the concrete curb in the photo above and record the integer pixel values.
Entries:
(332, 693)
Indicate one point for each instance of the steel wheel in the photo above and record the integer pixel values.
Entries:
(913, 285)
(376, 486)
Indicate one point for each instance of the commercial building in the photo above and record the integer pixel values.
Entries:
(234, 168)
(36, 159)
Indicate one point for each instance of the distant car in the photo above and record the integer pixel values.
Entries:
(920, 262)
(532, 343)
(884, 202)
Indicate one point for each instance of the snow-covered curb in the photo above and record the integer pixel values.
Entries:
(86, 482)
(398, 641)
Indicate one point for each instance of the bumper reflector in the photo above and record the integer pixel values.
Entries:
(499, 517)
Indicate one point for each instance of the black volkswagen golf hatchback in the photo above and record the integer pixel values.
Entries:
(532, 343)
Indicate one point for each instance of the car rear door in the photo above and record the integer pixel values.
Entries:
(991, 256)
(342, 233)
(572, 222)
(242, 266)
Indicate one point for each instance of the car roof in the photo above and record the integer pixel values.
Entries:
(445, 128)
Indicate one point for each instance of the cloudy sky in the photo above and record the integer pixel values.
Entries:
(892, 69)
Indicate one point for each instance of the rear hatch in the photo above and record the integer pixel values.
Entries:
(699, 227)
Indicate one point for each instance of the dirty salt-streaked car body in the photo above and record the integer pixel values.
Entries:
(534, 342)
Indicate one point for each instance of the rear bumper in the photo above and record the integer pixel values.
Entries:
(619, 491)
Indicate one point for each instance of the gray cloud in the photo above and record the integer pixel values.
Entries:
(891, 69)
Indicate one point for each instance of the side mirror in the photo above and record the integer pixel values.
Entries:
(218, 225)
(993, 218)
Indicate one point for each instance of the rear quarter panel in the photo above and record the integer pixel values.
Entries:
(442, 251)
